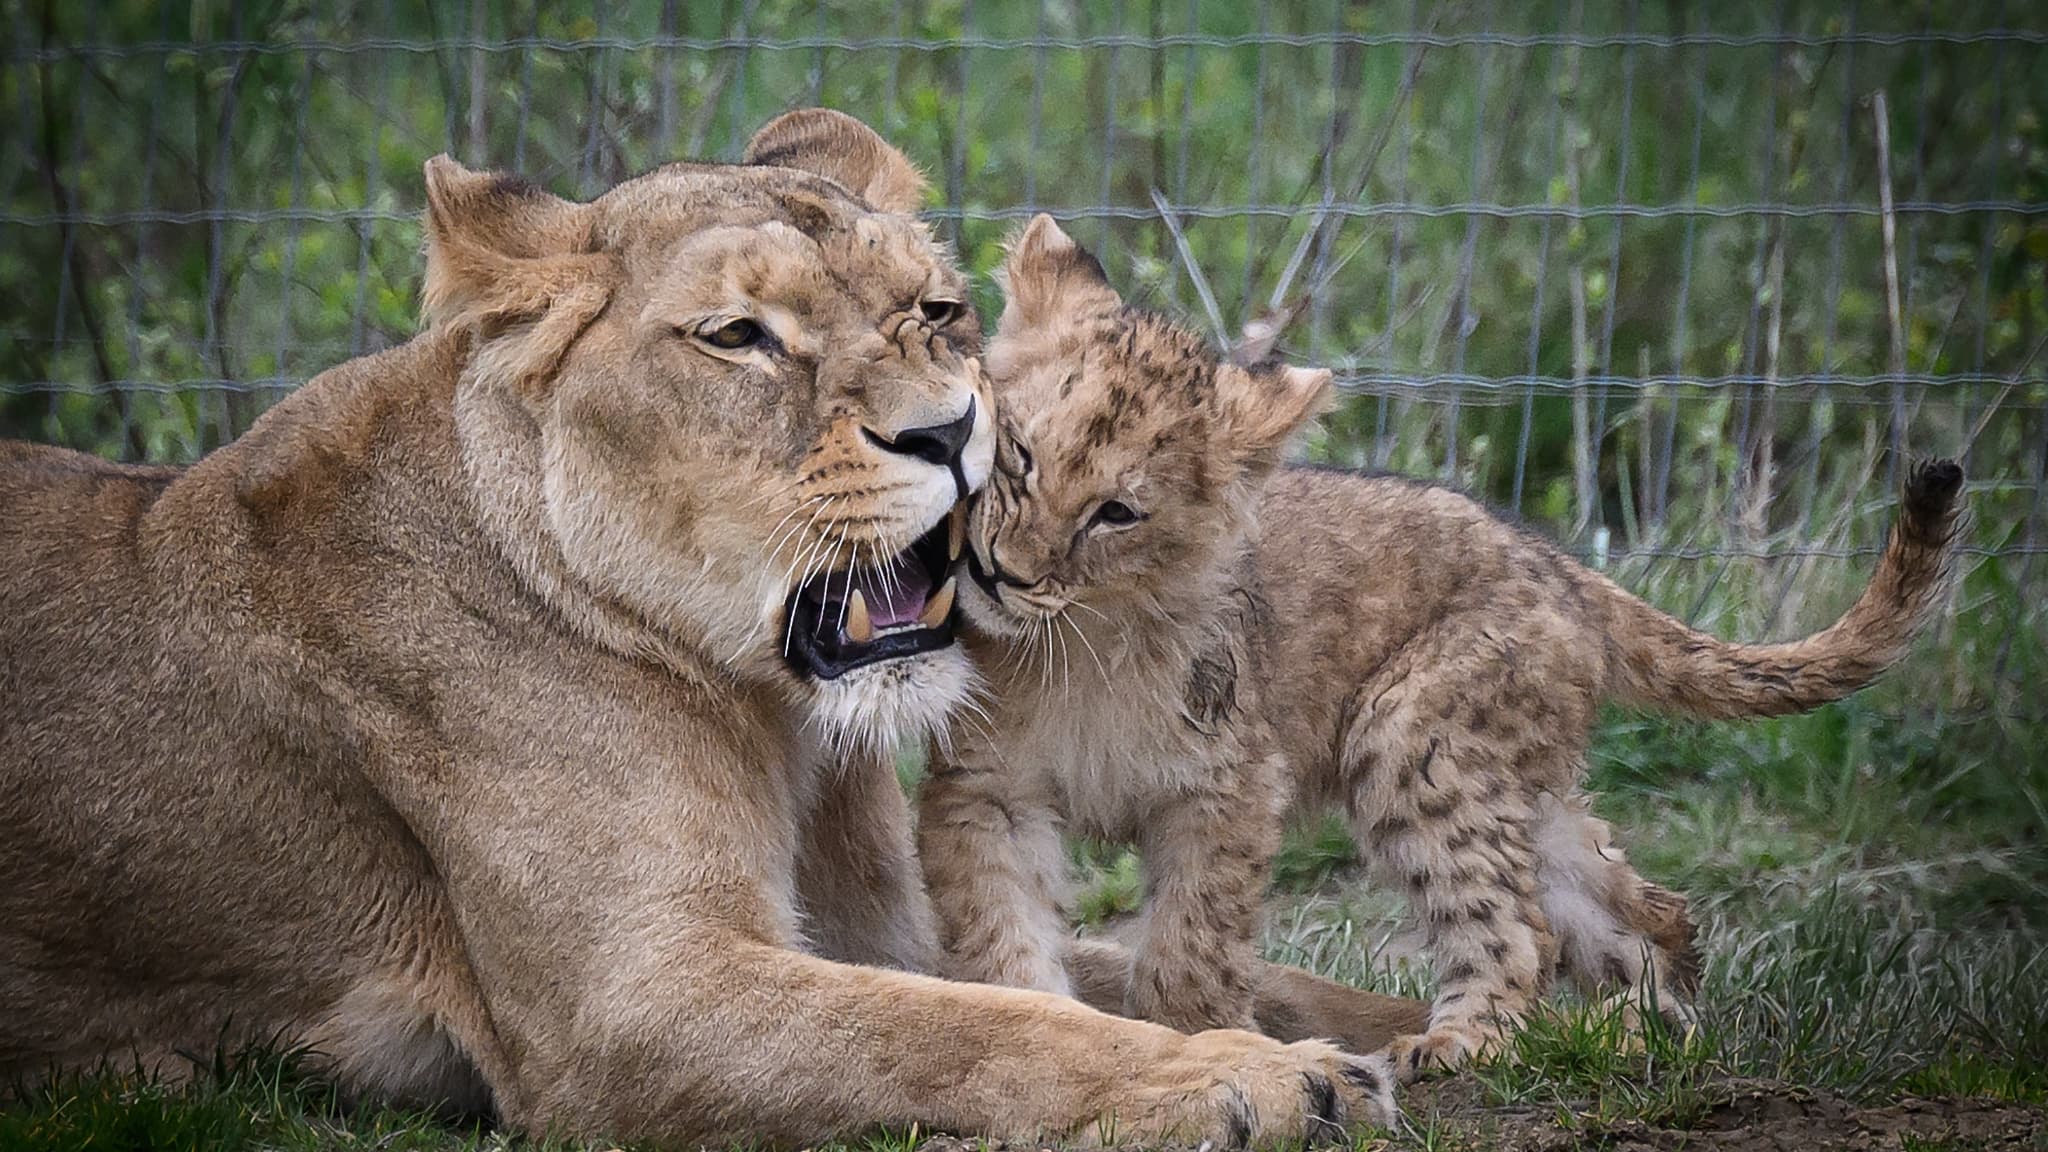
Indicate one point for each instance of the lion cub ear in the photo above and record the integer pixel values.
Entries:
(838, 147)
(1047, 276)
(500, 249)
(1263, 408)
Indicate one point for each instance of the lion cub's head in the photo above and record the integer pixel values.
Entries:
(731, 411)
(1130, 455)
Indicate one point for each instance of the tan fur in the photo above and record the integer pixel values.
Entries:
(442, 721)
(1139, 717)
(1312, 640)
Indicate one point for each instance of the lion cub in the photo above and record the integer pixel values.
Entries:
(1165, 671)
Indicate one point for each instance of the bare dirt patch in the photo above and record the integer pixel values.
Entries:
(1744, 1116)
(1738, 1116)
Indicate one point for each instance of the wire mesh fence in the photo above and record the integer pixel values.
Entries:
(1683, 283)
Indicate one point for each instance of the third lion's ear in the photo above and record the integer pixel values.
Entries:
(840, 148)
(1263, 409)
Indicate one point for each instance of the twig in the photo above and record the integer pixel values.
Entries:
(1372, 152)
(1891, 232)
(479, 141)
(1294, 262)
(66, 204)
(1187, 259)
(2012, 381)
(1585, 465)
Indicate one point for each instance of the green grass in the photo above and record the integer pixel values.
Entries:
(266, 1099)
(251, 1099)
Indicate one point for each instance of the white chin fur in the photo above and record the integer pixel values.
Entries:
(881, 707)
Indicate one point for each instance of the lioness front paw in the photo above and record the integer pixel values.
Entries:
(1240, 1090)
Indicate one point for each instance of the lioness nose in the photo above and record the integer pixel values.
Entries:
(939, 444)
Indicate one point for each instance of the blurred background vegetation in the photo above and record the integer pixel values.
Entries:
(1621, 268)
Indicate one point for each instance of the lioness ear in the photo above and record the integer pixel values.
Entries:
(500, 249)
(834, 145)
(1047, 276)
(1264, 408)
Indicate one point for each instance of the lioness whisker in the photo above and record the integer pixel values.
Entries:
(846, 601)
(801, 558)
(1066, 664)
(789, 628)
(771, 495)
(1046, 623)
(776, 535)
(831, 565)
(824, 505)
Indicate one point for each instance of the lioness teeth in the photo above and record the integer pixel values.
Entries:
(956, 532)
(939, 606)
(859, 628)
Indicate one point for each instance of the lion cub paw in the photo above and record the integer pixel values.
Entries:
(1449, 1047)
(1241, 1090)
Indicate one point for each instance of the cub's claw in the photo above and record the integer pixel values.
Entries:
(1449, 1048)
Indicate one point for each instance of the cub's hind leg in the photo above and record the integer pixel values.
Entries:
(1442, 772)
(1618, 933)
(1460, 843)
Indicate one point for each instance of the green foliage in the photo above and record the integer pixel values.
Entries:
(188, 227)
(253, 1098)
(1109, 883)
(1312, 852)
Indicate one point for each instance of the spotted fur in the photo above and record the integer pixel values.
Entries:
(1261, 641)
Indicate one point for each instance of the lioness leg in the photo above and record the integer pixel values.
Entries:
(996, 871)
(1289, 1003)
(837, 1048)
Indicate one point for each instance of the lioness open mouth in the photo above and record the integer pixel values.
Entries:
(838, 621)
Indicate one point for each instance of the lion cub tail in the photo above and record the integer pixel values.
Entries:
(1660, 663)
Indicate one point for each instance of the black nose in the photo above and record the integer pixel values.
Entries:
(939, 444)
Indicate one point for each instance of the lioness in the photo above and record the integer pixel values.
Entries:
(465, 720)
(1181, 649)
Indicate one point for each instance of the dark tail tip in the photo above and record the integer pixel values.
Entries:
(1931, 494)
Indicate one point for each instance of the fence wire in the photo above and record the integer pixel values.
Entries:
(1641, 273)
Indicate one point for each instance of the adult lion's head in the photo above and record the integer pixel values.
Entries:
(730, 411)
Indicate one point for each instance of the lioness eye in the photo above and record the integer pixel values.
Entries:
(939, 313)
(1116, 514)
(740, 333)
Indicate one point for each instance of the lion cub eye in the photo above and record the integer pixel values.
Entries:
(741, 333)
(1115, 514)
(939, 313)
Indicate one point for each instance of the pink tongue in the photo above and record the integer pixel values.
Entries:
(897, 596)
